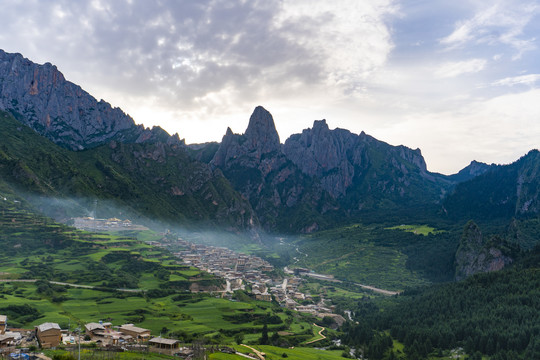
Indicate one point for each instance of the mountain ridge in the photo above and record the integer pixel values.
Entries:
(39, 96)
(310, 181)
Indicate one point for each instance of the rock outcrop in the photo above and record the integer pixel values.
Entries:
(40, 97)
(346, 164)
(257, 168)
(478, 255)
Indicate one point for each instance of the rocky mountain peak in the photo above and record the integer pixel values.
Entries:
(320, 125)
(261, 134)
(40, 97)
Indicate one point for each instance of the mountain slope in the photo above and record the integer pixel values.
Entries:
(40, 97)
(505, 191)
(152, 180)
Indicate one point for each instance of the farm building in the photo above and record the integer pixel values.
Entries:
(49, 335)
(136, 332)
(163, 346)
(93, 328)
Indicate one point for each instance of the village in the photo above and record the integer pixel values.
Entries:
(249, 273)
(17, 343)
(256, 276)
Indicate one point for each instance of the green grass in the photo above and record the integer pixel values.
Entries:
(297, 353)
(358, 254)
(196, 316)
(88, 354)
(416, 229)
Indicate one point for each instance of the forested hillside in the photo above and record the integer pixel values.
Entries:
(495, 314)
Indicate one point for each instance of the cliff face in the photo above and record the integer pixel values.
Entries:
(360, 169)
(331, 156)
(256, 166)
(477, 255)
(40, 97)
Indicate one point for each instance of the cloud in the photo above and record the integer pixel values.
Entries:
(529, 79)
(452, 69)
(501, 23)
(185, 52)
(497, 130)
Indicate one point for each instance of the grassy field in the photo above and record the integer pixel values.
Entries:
(381, 255)
(417, 229)
(186, 316)
(355, 253)
(92, 354)
(274, 353)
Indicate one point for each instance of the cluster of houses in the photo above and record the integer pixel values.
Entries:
(50, 335)
(93, 224)
(237, 269)
(241, 269)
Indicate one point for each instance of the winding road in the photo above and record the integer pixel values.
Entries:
(320, 334)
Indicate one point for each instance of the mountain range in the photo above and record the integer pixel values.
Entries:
(84, 148)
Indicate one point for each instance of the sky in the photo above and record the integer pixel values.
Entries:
(458, 79)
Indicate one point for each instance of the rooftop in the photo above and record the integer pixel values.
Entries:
(133, 328)
(48, 326)
(160, 340)
(94, 326)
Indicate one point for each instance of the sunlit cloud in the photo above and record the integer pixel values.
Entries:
(529, 79)
(500, 23)
(452, 69)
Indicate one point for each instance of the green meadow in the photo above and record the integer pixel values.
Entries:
(181, 315)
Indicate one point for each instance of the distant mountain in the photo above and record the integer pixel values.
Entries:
(505, 191)
(319, 172)
(471, 171)
(40, 97)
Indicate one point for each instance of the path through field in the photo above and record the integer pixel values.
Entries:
(320, 334)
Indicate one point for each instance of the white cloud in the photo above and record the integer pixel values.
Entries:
(455, 68)
(350, 38)
(529, 79)
(500, 23)
(497, 130)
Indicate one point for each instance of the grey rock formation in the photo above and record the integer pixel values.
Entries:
(328, 155)
(257, 168)
(261, 134)
(477, 255)
(40, 97)
(341, 159)
(260, 138)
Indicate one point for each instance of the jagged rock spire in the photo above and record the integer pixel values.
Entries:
(261, 133)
